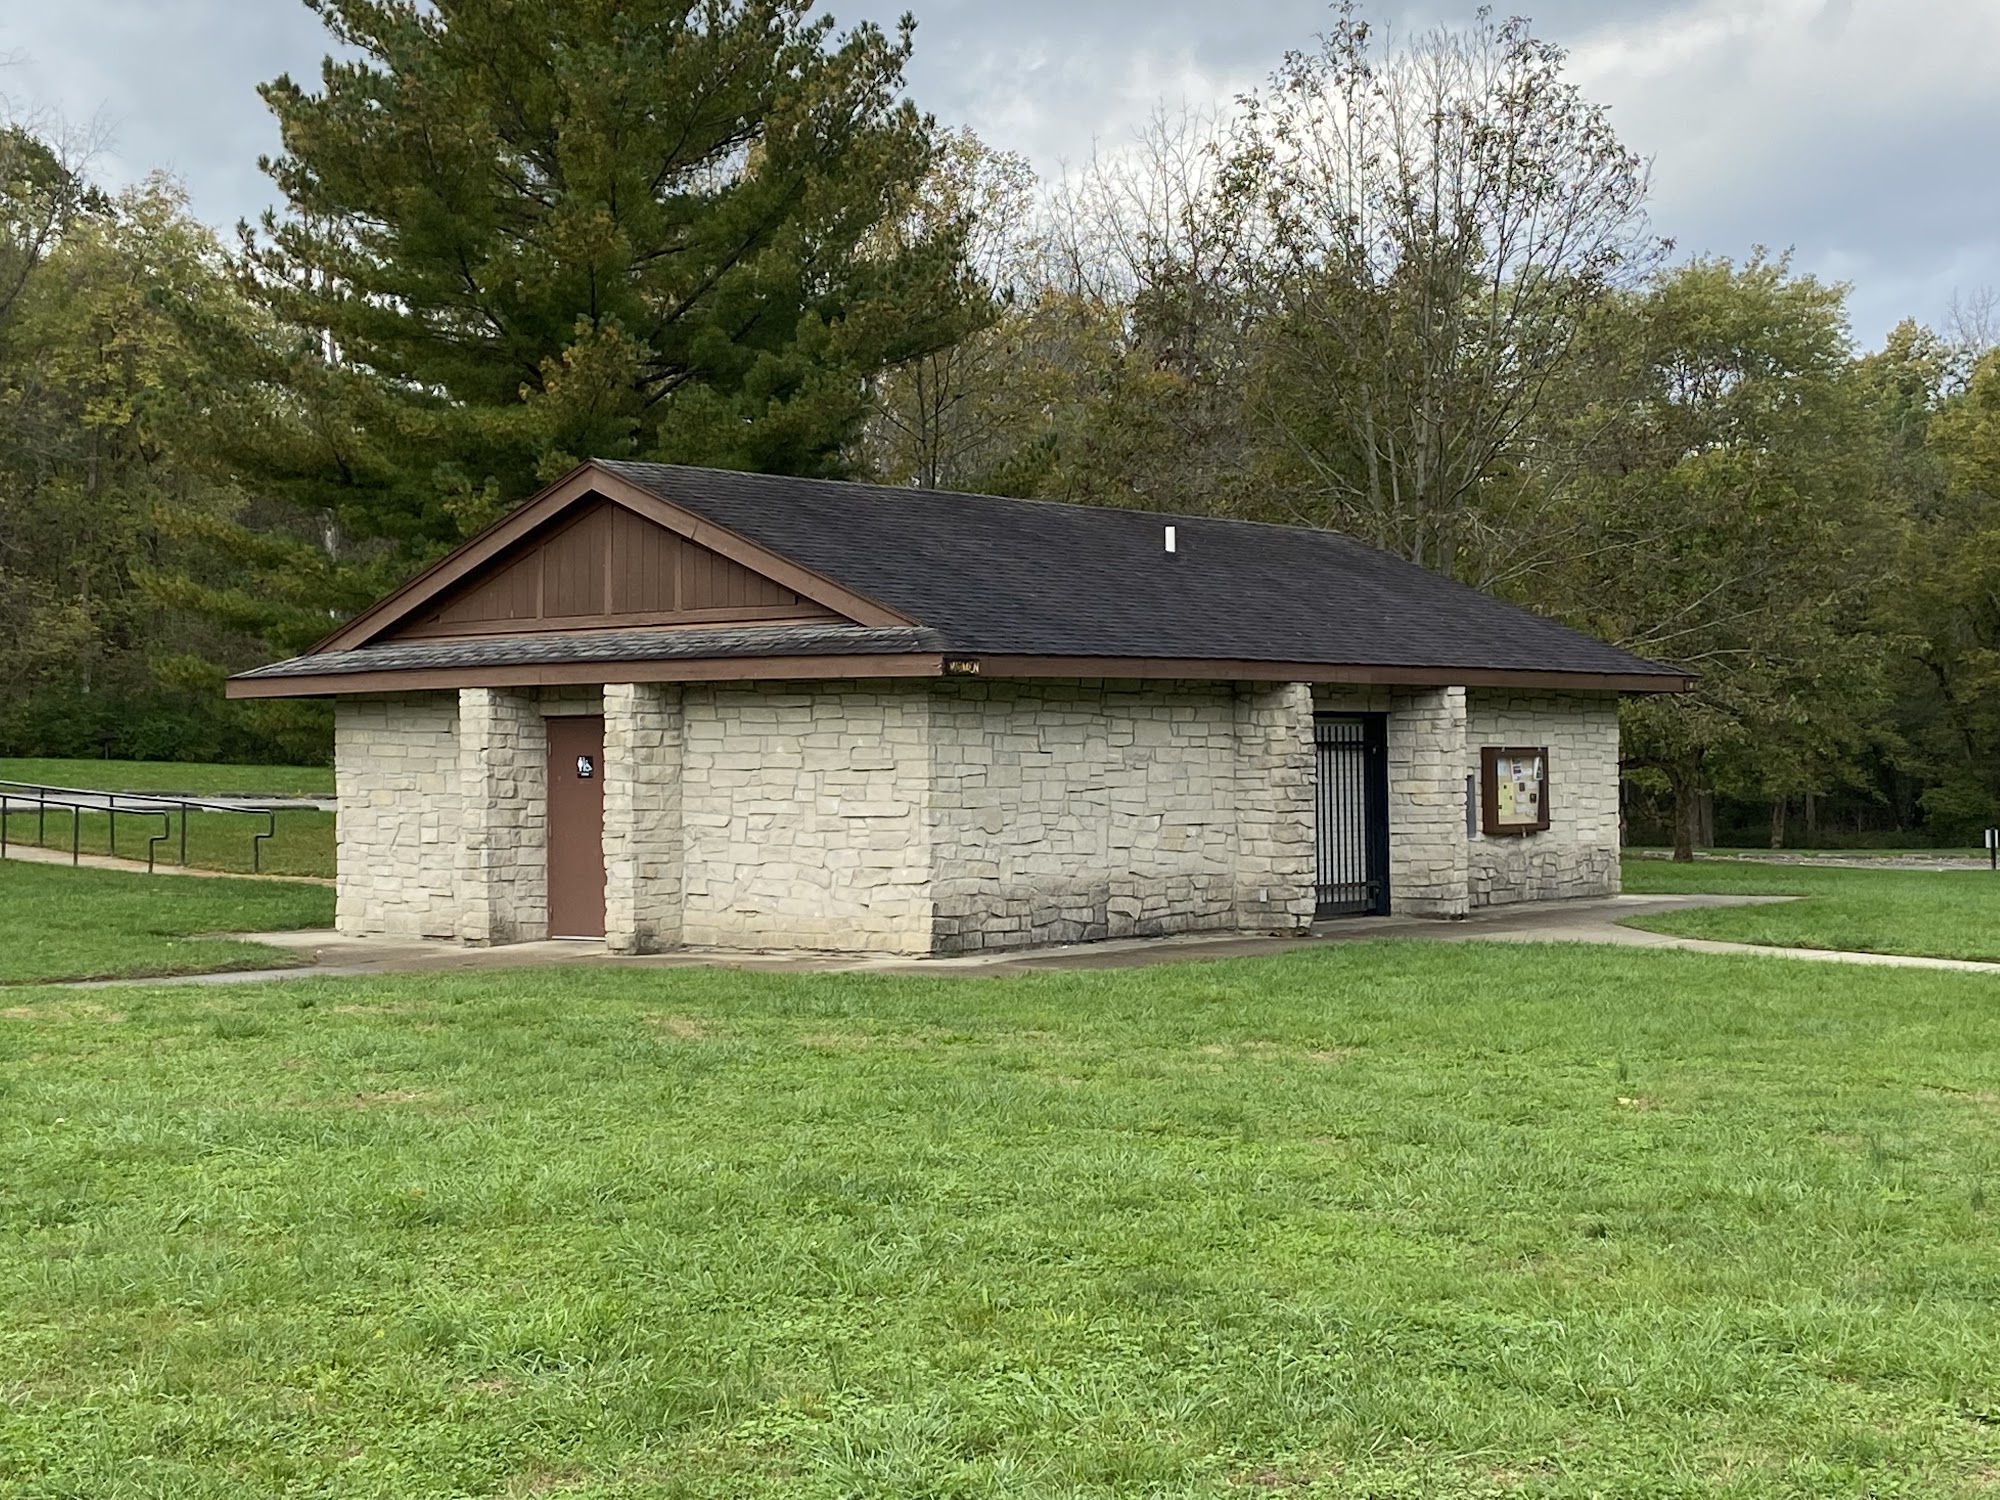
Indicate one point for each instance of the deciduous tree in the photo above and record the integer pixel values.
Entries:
(1726, 518)
(101, 478)
(1439, 220)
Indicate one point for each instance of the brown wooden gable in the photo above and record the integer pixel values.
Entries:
(605, 567)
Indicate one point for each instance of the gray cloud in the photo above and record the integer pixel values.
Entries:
(1853, 130)
(169, 85)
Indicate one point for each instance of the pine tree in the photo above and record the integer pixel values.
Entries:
(520, 233)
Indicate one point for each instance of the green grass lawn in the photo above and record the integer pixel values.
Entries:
(1781, 855)
(302, 845)
(170, 777)
(59, 923)
(1381, 1220)
(1934, 913)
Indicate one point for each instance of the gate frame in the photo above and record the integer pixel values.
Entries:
(1374, 813)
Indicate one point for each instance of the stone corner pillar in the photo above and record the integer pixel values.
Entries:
(503, 856)
(1274, 807)
(1429, 856)
(643, 746)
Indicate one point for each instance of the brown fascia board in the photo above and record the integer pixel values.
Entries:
(1198, 669)
(580, 483)
(964, 668)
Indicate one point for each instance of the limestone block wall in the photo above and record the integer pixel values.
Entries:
(1070, 812)
(396, 772)
(1428, 858)
(643, 776)
(1275, 855)
(804, 814)
(1578, 855)
(913, 817)
(503, 766)
(557, 702)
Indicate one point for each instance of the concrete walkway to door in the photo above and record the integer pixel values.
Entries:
(327, 955)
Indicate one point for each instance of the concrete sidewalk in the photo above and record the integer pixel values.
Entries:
(326, 955)
(1597, 921)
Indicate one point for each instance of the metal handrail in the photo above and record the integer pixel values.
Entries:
(158, 806)
(76, 811)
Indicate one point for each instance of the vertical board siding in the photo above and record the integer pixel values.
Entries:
(644, 561)
(515, 593)
(608, 563)
(715, 582)
(574, 566)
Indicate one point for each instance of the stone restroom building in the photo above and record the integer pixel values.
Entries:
(671, 706)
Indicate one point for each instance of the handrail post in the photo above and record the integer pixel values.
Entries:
(166, 832)
(41, 818)
(3, 825)
(257, 843)
(75, 834)
(111, 820)
(184, 835)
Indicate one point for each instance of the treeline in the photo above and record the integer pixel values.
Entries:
(1410, 293)
(107, 487)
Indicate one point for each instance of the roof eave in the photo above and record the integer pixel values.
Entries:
(825, 667)
(1203, 669)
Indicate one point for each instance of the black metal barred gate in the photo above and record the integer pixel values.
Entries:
(1352, 798)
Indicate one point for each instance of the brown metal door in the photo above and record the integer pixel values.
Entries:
(576, 827)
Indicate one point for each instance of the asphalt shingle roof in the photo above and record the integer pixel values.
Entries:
(559, 648)
(1036, 578)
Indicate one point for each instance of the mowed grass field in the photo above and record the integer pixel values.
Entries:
(1934, 913)
(1381, 1220)
(302, 842)
(60, 923)
(171, 778)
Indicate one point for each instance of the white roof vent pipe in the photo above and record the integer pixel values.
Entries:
(1173, 540)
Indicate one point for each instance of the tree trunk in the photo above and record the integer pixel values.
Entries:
(1778, 807)
(1687, 813)
(1812, 821)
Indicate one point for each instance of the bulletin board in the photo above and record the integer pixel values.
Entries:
(1513, 791)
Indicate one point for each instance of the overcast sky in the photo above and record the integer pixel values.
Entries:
(1859, 132)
